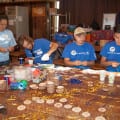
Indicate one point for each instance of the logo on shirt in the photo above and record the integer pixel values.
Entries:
(73, 52)
(38, 52)
(4, 37)
(112, 49)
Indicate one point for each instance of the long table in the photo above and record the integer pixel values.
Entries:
(89, 95)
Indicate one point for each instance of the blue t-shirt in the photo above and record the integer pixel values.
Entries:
(62, 38)
(112, 53)
(83, 52)
(6, 40)
(41, 46)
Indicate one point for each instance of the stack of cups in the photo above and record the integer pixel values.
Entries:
(50, 75)
(50, 87)
(102, 76)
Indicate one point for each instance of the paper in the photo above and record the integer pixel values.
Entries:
(11, 22)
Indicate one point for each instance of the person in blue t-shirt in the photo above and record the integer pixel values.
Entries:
(7, 41)
(79, 54)
(40, 49)
(111, 53)
(62, 37)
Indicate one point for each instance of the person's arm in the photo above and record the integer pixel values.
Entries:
(78, 62)
(10, 49)
(28, 53)
(3, 50)
(105, 63)
(87, 63)
(53, 48)
(71, 63)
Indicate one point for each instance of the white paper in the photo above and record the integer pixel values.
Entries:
(11, 22)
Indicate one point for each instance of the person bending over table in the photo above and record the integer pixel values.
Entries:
(7, 41)
(79, 54)
(111, 53)
(41, 49)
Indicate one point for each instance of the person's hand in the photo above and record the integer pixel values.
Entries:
(77, 63)
(10, 49)
(115, 64)
(3, 50)
(84, 63)
(45, 57)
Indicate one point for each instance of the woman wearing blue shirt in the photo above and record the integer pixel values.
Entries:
(40, 49)
(7, 41)
(111, 53)
(79, 54)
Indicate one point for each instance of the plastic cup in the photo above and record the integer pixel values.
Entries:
(30, 61)
(111, 79)
(102, 76)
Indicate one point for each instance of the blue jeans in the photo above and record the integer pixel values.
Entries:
(5, 63)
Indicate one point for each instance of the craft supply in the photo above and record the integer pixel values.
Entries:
(3, 85)
(14, 85)
(35, 98)
(21, 60)
(3, 110)
(58, 105)
(40, 101)
(102, 109)
(75, 81)
(42, 86)
(63, 100)
(67, 106)
(21, 107)
(76, 109)
(50, 101)
(60, 89)
(22, 85)
(33, 86)
(50, 87)
(27, 102)
(86, 114)
(7, 78)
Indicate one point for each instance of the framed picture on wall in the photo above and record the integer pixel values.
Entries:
(109, 21)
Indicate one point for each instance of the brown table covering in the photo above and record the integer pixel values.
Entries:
(88, 97)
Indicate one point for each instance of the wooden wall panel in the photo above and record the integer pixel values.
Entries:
(84, 11)
(39, 23)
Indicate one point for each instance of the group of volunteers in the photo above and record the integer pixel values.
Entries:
(78, 53)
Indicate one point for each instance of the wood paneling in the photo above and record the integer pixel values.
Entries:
(84, 11)
(38, 24)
